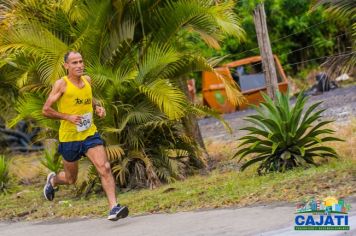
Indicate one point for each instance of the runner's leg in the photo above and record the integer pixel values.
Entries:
(68, 176)
(97, 156)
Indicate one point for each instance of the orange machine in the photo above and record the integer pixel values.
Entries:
(248, 74)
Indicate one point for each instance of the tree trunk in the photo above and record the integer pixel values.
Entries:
(190, 122)
(264, 44)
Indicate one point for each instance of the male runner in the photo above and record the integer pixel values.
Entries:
(78, 135)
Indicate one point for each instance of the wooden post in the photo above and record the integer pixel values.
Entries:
(264, 44)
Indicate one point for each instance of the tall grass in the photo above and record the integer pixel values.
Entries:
(4, 174)
(347, 149)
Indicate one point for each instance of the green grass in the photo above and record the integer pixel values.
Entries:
(223, 187)
(228, 189)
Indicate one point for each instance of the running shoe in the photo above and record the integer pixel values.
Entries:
(118, 212)
(48, 189)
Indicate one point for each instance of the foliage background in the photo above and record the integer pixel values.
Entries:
(298, 33)
(138, 53)
(135, 54)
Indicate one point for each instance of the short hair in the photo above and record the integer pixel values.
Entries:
(67, 55)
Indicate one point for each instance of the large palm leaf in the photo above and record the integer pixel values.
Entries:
(169, 99)
(136, 59)
(341, 9)
(30, 106)
(204, 17)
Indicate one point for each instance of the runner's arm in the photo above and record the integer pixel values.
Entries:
(53, 97)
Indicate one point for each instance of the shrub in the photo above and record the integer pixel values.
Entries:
(284, 137)
(4, 174)
(52, 161)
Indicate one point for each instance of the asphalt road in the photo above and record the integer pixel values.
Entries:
(276, 219)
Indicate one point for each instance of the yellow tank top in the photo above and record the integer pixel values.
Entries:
(76, 101)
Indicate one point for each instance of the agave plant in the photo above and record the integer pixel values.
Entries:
(285, 136)
(4, 174)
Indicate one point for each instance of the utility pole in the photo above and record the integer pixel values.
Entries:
(265, 50)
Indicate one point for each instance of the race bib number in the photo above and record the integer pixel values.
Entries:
(85, 124)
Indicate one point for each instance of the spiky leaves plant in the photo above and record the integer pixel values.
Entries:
(52, 161)
(285, 136)
(4, 174)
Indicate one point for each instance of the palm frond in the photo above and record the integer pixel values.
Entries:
(114, 152)
(343, 63)
(168, 99)
(30, 106)
(155, 61)
(208, 19)
(345, 8)
(233, 93)
(337, 65)
(32, 39)
(204, 110)
(76, 10)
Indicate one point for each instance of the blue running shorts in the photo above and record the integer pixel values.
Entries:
(73, 151)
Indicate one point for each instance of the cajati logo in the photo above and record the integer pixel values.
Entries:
(327, 214)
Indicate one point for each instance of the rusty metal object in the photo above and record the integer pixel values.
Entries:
(251, 84)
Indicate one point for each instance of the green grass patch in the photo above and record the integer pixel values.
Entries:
(229, 189)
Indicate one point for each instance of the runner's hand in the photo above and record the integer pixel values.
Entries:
(75, 119)
(100, 111)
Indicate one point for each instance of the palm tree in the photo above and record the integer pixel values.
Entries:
(135, 55)
(341, 9)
